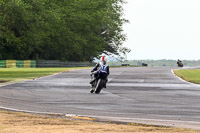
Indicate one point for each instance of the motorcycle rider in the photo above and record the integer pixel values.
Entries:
(103, 62)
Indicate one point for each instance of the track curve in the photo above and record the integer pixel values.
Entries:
(144, 94)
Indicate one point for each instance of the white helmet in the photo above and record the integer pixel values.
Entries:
(103, 58)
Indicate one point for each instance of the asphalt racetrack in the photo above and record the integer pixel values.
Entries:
(152, 95)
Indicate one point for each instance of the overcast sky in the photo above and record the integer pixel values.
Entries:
(163, 29)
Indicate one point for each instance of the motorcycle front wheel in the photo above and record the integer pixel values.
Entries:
(99, 86)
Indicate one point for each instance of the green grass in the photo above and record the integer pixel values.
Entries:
(191, 75)
(20, 74)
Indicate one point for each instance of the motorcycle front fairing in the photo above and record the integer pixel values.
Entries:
(102, 75)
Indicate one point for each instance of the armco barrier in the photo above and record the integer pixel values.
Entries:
(17, 63)
(42, 63)
(10, 63)
(2, 63)
(56, 63)
(27, 64)
(33, 63)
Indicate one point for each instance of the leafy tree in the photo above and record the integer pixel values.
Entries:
(73, 30)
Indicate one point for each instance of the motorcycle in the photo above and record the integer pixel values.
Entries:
(99, 82)
(180, 64)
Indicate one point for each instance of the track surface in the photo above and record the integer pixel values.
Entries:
(144, 95)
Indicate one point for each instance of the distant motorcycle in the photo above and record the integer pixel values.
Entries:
(180, 64)
(99, 82)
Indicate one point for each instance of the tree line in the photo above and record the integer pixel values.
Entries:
(72, 30)
(152, 63)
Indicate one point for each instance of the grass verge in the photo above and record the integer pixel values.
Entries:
(190, 75)
(20, 74)
(13, 122)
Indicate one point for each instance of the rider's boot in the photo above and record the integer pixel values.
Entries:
(92, 81)
(91, 90)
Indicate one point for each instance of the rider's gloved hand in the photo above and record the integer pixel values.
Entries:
(92, 71)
